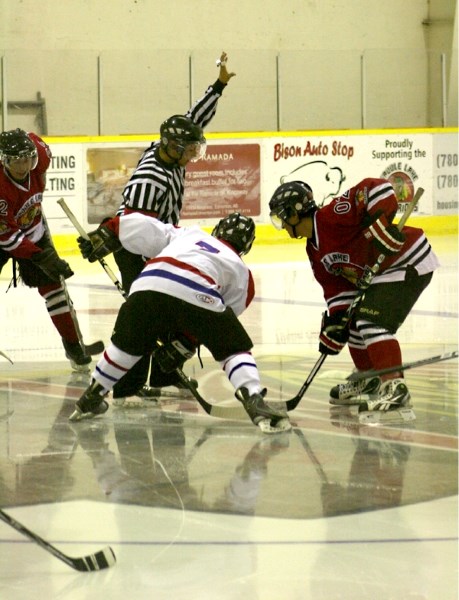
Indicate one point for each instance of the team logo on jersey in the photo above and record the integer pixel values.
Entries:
(205, 299)
(338, 264)
(360, 196)
(28, 218)
(29, 211)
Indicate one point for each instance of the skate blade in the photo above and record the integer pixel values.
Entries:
(81, 369)
(281, 425)
(135, 402)
(77, 415)
(401, 415)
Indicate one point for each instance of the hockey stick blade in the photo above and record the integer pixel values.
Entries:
(236, 413)
(404, 367)
(103, 559)
(95, 348)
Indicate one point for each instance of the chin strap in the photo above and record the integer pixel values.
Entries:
(297, 237)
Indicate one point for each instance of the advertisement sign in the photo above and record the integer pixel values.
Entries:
(241, 174)
(331, 164)
(64, 179)
(225, 180)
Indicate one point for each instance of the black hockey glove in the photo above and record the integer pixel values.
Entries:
(333, 333)
(102, 242)
(50, 263)
(173, 354)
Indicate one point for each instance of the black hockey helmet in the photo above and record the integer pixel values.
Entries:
(184, 134)
(291, 199)
(237, 230)
(15, 145)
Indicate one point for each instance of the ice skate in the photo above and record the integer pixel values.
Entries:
(355, 392)
(269, 419)
(79, 360)
(392, 404)
(91, 404)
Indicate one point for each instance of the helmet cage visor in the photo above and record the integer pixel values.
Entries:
(283, 213)
(13, 161)
(192, 151)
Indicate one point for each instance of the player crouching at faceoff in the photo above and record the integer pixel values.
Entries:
(24, 234)
(190, 293)
(344, 240)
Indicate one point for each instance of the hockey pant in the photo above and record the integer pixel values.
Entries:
(149, 316)
(52, 291)
(384, 308)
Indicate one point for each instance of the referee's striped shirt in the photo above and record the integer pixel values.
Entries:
(156, 187)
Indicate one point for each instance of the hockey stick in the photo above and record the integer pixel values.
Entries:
(84, 235)
(103, 559)
(237, 413)
(293, 402)
(375, 268)
(95, 348)
(6, 356)
(404, 367)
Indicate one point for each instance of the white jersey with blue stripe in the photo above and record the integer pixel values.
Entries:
(188, 264)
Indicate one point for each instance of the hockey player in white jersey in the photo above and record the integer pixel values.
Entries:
(190, 292)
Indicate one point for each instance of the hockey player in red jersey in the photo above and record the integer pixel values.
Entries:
(344, 241)
(24, 237)
(190, 293)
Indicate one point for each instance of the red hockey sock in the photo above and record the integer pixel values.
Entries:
(385, 354)
(361, 359)
(59, 311)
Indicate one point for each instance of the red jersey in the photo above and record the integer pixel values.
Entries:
(21, 222)
(340, 253)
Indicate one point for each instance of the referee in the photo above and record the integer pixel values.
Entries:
(156, 188)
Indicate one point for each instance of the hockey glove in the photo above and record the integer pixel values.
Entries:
(173, 354)
(50, 263)
(334, 333)
(387, 238)
(102, 242)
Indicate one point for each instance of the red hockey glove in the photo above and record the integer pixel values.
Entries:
(333, 333)
(387, 238)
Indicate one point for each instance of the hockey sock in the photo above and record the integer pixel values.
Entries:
(382, 347)
(241, 369)
(113, 365)
(360, 358)
(58, 310)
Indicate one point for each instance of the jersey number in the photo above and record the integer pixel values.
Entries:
(207, 247)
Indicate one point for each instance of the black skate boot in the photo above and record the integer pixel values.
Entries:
(91, 404)
(79, 360)
(270, 420)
